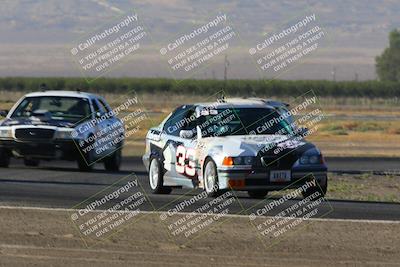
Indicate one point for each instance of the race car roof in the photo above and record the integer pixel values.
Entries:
(243, 103)
(62, 94)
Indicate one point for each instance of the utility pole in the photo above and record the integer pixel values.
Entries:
(214, 76)
(334, 74)
(226, 64)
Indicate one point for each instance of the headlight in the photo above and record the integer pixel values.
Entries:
(230, 161)
(64, 134)
(6, 133)
(238, 161)
(311, 159)
(248, 160)
(314, 159)
(304, 160)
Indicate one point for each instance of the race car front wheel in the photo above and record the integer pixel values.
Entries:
(210, 179)
(156, 178)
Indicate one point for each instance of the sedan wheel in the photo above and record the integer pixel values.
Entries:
(31, 162)
(4, 159)
(113, 162)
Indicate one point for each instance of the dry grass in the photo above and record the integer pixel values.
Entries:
(345, 127)
(364, 187)
(370, 144)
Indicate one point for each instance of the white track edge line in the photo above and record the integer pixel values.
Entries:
(226, 215)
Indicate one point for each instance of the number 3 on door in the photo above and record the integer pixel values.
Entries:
(182, 155)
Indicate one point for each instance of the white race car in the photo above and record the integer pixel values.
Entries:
(240, 144)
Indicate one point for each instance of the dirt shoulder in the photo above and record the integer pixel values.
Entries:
(365, 187)
(47, 238)
(361, 187)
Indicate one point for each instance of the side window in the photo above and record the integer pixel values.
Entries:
(103, 105)
(191, 121)
(183, 118)
(96, 107)
(283, 110)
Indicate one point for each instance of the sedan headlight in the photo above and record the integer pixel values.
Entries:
(6, 133)
(230, 161)
(311, 159)
(314, 159)
(64, 134)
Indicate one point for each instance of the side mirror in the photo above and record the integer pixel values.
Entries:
(303, 131)
(186, 134)
(3, 113)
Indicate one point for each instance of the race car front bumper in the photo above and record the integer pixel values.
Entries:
(253, 179)
(47, 149)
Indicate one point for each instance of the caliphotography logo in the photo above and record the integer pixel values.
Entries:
(287, 46)
(109, 46)
(195, 50)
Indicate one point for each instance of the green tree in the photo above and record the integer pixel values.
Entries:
(388, 63)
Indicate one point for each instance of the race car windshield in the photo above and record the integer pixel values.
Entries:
(243, 121)
(71, 109)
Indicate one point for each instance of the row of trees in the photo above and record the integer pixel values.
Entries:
(388, 63)
(207, 87)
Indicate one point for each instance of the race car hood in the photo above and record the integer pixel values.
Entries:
(252, 145)
(34, 121)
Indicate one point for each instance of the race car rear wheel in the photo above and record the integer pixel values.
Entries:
(210, 179)
(257, 193)
(156, 178)
(31, 162)
(113, 162)
(4, 158)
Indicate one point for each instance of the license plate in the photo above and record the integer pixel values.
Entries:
(279, 176)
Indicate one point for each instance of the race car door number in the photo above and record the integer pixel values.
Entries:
(279, 176)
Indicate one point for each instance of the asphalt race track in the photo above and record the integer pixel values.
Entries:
(61, 185)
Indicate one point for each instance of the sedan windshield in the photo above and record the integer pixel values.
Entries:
(243, 121)
(71, 109)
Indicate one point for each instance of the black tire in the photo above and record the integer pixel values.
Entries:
(156, 178)
(113, 162)
(85, 160)
(4, 159)
(259, 193)
(211, 186)
(83, 166)
(312, 190)
(31, 162)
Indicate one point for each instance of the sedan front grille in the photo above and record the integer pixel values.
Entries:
(34, 134)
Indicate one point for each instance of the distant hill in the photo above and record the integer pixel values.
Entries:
(35, 35)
